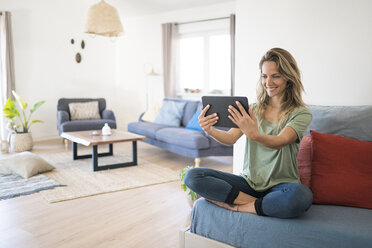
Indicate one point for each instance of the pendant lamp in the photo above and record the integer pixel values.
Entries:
(103, 19)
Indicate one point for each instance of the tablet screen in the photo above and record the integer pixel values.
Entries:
(220, 105)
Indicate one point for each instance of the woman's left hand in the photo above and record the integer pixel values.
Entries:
(246, 122)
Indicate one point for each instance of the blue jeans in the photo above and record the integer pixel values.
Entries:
(285, 200)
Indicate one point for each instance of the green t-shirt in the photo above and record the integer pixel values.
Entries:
(265, 167)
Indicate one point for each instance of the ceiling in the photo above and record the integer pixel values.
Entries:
(146, 7)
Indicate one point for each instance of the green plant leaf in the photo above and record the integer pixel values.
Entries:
(10, 109)
(40, 121)
(183, 186)
(193, 195)
(36, 106)
(20, 101)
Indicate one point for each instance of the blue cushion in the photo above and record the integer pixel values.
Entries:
(189, 111)
(194, 122)
(170, 113)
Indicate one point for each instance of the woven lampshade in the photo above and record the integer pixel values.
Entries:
(103, 19)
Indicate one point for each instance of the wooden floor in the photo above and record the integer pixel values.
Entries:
(145, 217)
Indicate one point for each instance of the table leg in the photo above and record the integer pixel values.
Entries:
(134, 152)
(111, 149)
(76, 156)
(94, 158)
(74, 151)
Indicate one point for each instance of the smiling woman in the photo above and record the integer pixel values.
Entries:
(280, 86)
(269, 184)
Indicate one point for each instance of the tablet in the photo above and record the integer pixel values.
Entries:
(220, 105)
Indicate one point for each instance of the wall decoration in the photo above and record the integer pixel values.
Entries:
(78, 57)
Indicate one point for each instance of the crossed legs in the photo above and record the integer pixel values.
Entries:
(234, 193)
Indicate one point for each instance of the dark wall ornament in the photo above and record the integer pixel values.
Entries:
(78, 57)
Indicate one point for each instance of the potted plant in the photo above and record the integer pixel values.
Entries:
(192, 195)
(20, 138)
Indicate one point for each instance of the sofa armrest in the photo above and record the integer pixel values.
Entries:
(108, 114)
(140, 117)
(62, 116)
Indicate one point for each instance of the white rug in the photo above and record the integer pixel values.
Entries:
(81, 181)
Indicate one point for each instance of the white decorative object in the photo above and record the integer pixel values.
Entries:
(103, 19)
(20, 142)
(106, 130)
(150, 74)
(4, 146)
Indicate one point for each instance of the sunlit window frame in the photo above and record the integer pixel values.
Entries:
(206, 36)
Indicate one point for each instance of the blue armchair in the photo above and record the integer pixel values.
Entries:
(65, 124)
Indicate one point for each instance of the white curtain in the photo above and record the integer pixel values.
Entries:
(7, 83)
(170, 50)
(232, 42)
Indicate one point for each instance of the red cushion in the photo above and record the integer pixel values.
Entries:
(341, 170)
(304, 157)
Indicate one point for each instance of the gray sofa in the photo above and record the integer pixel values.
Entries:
(64, 123)
(186, 142)
(322, 226)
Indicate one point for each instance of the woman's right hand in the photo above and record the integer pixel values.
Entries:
(207, 122)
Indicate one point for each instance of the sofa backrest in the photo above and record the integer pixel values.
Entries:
(189, 110)
(353, 122)
(63, 103)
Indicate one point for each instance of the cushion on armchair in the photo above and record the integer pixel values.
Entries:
(84, 110)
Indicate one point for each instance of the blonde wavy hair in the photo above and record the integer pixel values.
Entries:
(292, 99)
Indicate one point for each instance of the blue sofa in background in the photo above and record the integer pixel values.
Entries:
(322, 226)
(187, 142)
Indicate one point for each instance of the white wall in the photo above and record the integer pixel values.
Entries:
(331, 41)
(45, 67)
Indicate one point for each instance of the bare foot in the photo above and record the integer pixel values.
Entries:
(247, 208)
(224, 205)
(244, 198)
(243, 208)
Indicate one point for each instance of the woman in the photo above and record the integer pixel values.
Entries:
(270, 183)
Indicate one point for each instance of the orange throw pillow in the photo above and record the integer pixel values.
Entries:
(341, 171)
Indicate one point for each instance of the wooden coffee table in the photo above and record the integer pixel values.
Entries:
(84, 138)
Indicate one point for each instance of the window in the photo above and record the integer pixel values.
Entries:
(204, 62)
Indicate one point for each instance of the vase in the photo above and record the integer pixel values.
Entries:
(20, 142)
